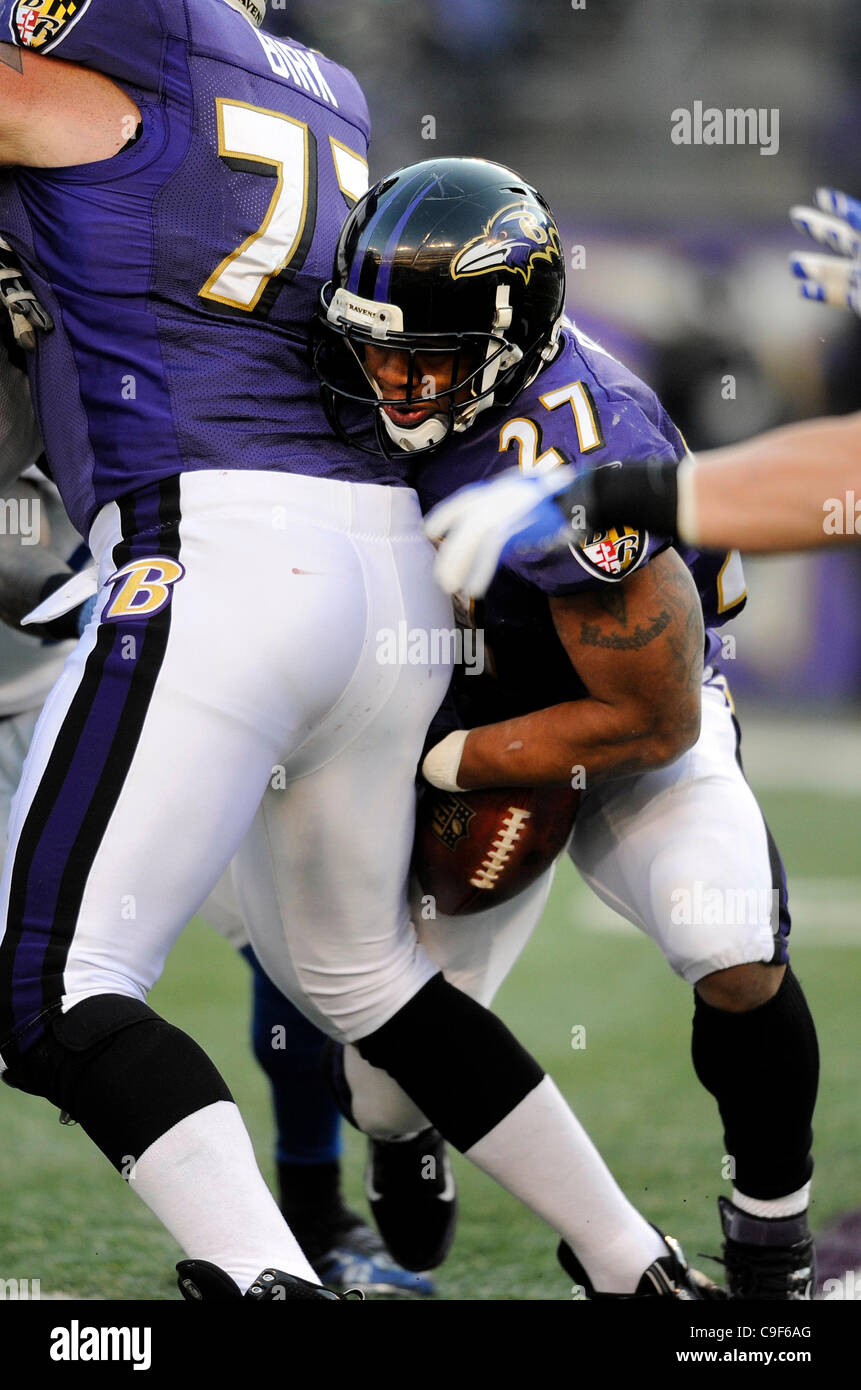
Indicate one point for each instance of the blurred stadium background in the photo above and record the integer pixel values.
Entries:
(682, 274)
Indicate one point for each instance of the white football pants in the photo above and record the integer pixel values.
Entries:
(228, 690)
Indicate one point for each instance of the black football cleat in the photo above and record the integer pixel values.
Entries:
(767, 1260)
(670, 1276)
(411, 1191)
(200, 1281)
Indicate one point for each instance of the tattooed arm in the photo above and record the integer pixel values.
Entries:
(638, 648)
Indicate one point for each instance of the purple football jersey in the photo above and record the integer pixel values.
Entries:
(585, 409)
(182, 274)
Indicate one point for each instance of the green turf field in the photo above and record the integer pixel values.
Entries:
(68, 1220)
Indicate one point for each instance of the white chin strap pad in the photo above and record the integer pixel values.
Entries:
(432, 431)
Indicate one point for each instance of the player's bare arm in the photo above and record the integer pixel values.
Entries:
(54, 114)
(783, 490)
(638, 648)
(773, 493)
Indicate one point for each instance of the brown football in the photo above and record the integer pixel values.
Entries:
(476, 849)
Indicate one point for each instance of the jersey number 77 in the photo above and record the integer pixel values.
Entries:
(268, 143)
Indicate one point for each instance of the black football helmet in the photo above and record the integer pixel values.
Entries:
(455, 257)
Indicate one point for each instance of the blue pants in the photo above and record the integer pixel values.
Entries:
(290, 1049)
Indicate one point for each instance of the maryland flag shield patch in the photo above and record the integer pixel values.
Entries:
(613, 554)
(41, 24)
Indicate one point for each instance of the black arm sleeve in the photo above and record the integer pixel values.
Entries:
(644, 495)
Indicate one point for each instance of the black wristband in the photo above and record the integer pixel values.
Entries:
(644, 495)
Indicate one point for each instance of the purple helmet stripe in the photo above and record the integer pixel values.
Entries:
(367, 234)
(381, 290)
(364, 241)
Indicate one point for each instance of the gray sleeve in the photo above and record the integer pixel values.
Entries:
(20, 440)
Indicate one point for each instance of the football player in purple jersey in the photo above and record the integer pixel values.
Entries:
(795, 488)
(443, 337)
(176, 181)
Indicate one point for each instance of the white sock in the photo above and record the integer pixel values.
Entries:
(542, 1154)
(791, 1205)
(202, 1182)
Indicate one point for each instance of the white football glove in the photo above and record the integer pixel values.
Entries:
(78, 589)
(835, 222)
(478, 523)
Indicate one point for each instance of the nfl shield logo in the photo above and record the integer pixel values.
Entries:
(451, 818)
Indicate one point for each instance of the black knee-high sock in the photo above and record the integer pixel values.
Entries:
(762, 1067)
(456, 1060)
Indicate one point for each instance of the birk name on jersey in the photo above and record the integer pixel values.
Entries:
(299, 68)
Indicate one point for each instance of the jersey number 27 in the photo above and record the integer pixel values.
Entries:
(527, 435)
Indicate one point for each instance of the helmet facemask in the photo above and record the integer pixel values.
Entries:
(477, 365)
